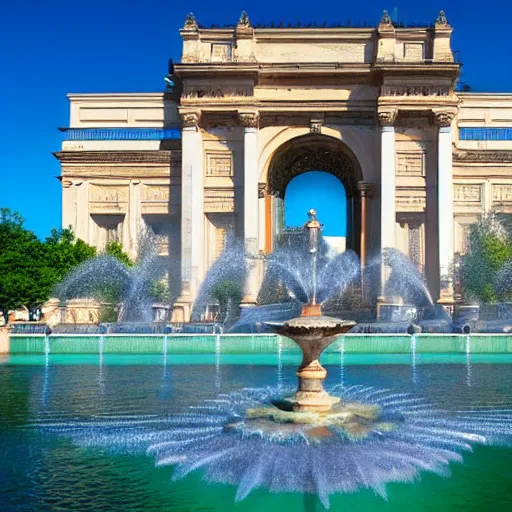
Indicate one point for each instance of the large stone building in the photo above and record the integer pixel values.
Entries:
(254, 107)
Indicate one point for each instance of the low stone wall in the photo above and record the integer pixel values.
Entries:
(257, 344)
(4, 340)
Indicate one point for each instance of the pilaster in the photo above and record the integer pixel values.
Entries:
(387, 120)
(444, 119)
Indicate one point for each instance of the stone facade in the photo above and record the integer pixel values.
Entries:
(252, 108)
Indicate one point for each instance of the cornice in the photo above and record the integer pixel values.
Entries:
(158, 156)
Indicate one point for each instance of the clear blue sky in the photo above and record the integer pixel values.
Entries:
(321, 191)
(54, 47)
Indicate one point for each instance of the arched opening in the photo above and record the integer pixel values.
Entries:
(292, 172)
(326, 194)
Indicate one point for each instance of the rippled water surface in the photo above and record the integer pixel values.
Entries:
(42, 471)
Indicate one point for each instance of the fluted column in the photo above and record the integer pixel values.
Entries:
(387, 120)
(192, 205)
(445, 205)
(249, 121)
(366, 191)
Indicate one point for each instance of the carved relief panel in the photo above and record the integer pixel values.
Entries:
(221, 52)
(219, 164)
(502, 194)
(466, 194)
(108, 198)
(410, 163)
(160, 199)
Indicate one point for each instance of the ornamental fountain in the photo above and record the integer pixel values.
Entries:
(312, 411)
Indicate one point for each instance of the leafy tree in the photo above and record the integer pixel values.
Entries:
(490, 247)
(229, 294)
(116, 249)
(30, 267)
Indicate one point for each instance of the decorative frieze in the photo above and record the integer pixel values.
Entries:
(502, 194)
(406, 202)
(219, 200)
(410, 163)
(219, 164)
(150, 156)
(213, 93)
(500, 156)
(409, 90)
(467, 194)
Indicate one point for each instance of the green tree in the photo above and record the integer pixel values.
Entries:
(30, 267)
(116, 249)
(490, 247)
(229, 294)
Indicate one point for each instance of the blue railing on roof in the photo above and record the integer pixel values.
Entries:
(121, 133)
(485, 133)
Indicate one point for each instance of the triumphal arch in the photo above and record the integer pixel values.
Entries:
(250, 108)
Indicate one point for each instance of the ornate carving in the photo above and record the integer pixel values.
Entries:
(386, 18)
(404, 90)
(366, 189)
(262, 190)
(313, 153)
(315, 126)
(501, 156)
(190, 119)
(248, 119)
(190, 22)
(150, 156)
(467, 193)
(244, 21)
(387, 117)
(444, 118)
(217, 92)
(441, 18)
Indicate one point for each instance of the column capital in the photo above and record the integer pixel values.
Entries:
(387, 117)
(262, 190)
(366, 188)
(249, 119)
(190, 119)
(444, 118)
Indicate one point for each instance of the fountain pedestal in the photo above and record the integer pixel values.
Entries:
(313, 334)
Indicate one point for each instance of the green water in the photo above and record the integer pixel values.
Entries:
(47, 472)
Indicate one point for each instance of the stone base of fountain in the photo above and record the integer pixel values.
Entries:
(354, 420)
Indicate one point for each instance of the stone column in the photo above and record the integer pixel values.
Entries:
(445, 205)
(387, 120)
(192, 208)
(366, 190)
(249, 121)
(134, 212)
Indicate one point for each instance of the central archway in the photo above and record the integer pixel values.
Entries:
(309, 154)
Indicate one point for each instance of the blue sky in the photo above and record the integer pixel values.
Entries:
(54, 47)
